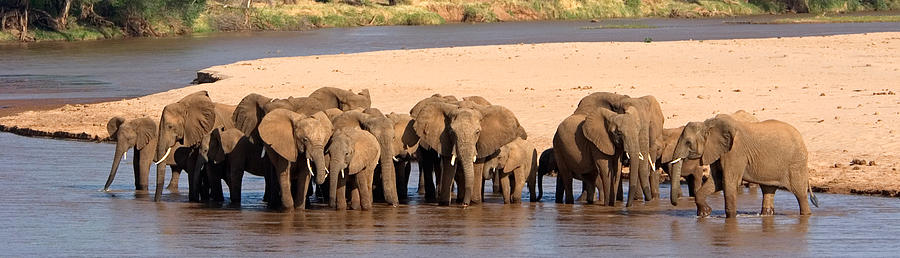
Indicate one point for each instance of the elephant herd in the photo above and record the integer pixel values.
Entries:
(354, 151)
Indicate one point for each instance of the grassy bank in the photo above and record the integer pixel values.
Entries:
(840, 19)
(235, 15)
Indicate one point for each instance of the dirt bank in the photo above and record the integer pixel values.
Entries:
(839, 91)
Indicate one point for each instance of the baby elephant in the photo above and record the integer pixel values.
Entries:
(517, 159)
(354, 153)
(770, 153)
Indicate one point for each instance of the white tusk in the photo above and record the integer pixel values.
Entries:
(342, 172)
(675, 161)
(311, 174)
(453, 160)
(474, 158)
(263, 153)
(326, 171)
(308, 166)
(395, 159)
(652, 167)
(640, 156)
(627, 156)
(125, 155)
(169, 151)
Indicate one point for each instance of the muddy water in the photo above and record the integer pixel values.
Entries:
(51, 206)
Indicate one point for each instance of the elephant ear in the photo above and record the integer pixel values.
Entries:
(249, 112)
(113, 126)
(516, 155)
(669, 140)
(594, 128)
(719, 139)
(229, 139)
(145, 130)
(324, 120)
(404, 133)
(276, 129)
(199, 117)
(430, 125)
(499, 127)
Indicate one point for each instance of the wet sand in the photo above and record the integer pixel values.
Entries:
(837, 90)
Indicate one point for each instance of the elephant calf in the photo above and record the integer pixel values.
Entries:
(353, 153)
(517, 159)
(770, 153)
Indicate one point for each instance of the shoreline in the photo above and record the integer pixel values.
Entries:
(844, 90)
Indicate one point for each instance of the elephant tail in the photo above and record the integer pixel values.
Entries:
(812, 196)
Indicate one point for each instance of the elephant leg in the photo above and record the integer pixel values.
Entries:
(215, 183)
(588, 183)
(303, 180)
(519, 176)
(567, 187)
(235, 182)
(731, 175)
(708, 187)
(353, 183)
(427, 175)
(446, 186)
(142, 162)
(799, 185)
(478, 183)
(654, 183)
(283, 172)
(402, 171)
(633, 184)
(644, 173)
(421, 188)
(504, 188)
(194, 194)
(364, 182)
(173, 182)
(615, 182)
(603, 182)
(460, 181)
(768, 202)
(560, 190)
(495, 183)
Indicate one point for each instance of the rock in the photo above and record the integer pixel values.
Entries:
(872, 163)
(858, 162)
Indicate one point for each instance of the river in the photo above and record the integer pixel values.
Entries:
(52, 204)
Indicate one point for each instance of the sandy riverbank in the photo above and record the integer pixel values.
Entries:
(837, 90)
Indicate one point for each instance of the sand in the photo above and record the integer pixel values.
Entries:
(837, 90)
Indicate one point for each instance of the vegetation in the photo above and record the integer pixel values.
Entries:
(27, 20)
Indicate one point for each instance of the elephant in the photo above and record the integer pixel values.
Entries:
(427, 158)
(770, 153)
(188, 123)
(235, 151)
(546, 167)
(354, 153)
(289, 137)
(517, 159)
(332, 97)
(691, 169)
(590, 145)
(651, 122)
(395, 137)
(138, 133)
(469, 131)
(251, 110)
(405, 144)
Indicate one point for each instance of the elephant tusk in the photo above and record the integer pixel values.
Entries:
(342, 172)
(125, 155)
(474, 158)
(627, 156)
(640, 156)
(311, 174)
(169, 151)
(652, 167)
(309, 166)
(326, 171)
(263, 153)
(675, 161)
(395, 159)
(453, 160)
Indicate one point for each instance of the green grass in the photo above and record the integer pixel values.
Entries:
(619, 26)
(840, 19)
(75, 34)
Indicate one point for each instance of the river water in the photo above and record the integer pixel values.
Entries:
(51, 204)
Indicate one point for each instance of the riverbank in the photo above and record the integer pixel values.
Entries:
(839, 91)
(304, 15)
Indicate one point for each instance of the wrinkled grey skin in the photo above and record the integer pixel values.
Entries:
(188, 123)
(251, 110)
(651, 120)
(590, 146)
(514, 165)
(428, 159)
(138, 133)
(235, 151)
(295, 145)
(770, 153)
(353, 154)
(546, 166)
(331, 97)
(467, 131)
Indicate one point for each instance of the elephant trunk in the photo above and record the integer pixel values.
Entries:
(318, 157)
(388, 172)
(675, 177)
(121, 149)
(467, 158)
(336, 164)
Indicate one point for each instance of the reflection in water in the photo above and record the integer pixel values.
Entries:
(52, 205)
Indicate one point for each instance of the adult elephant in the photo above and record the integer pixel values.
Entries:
(290, 138)
(137, 133)
(342, 99)
(188, 123)
(590, 145)
(770, 153)
(395, 138)
(231, 149)
(247, 116)
(427, 157)
(691, 169)
(467, 131)
(650, 119)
